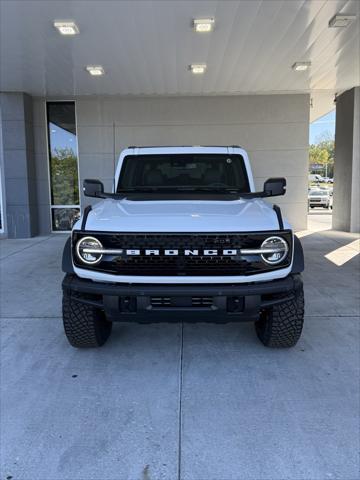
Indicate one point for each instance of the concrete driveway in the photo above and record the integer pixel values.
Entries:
(191, 402)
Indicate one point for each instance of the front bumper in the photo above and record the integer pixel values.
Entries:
(144, 303)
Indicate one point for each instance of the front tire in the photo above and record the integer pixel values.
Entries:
(85, 326)
(281, 325)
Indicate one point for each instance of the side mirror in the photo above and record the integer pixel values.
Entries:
(93, 188)
(275, 186)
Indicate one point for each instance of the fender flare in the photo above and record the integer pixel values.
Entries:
(67, 265)
(298, 260)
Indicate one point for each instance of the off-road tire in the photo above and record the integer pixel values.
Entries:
(280, 326)
(85, 326)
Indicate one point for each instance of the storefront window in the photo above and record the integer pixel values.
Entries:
(64, 218)
(1, 211)
(63, 158)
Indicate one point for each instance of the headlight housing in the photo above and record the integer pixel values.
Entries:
(278, 250)
(86, 250)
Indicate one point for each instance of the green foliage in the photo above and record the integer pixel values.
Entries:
(323, 153)
(64, 177)
(318, 155)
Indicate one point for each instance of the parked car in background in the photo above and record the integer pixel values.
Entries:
(315, 178)
(328, 180)
(319, 198)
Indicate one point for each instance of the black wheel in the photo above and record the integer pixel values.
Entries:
(280, 326)
(85, 326)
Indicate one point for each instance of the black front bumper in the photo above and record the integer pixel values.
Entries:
(148, 303)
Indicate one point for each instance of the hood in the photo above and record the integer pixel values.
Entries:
(182, 216)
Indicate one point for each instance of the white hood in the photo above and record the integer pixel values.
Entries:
(182, 216)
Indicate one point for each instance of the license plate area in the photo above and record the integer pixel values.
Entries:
(161, 302)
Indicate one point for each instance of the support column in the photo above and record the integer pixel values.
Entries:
(346, 210)
(19, 165)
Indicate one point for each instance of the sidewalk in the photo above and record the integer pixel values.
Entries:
(196, 402)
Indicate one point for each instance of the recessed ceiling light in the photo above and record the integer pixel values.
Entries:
(197, 68)
(67, 27)
(301, 66)
(341, 20)
(95, 70)
(203, 25)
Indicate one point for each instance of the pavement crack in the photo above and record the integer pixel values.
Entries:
(27, 317)
(25, 248)
(180, 399)
(339, 315)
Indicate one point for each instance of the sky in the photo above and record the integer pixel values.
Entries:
(61, 138)
(322, 125)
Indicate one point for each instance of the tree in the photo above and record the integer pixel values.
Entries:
(64, 177)
(323, 153)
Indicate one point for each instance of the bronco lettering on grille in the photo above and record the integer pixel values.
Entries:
(186, 252)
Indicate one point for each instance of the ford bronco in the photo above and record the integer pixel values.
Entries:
(183, 236)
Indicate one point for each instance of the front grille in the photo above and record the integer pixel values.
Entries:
(181, 265)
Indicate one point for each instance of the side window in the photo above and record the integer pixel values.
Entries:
(63, 165)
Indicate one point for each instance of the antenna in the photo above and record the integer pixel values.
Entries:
(114, 159)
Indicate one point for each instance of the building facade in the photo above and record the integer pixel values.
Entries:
(50, 145)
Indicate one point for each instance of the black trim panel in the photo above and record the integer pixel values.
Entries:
(85, 216)
(279, 216)
(66, 264)
(298, 261)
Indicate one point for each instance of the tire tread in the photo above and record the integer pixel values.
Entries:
(281, 326)
(85, 326)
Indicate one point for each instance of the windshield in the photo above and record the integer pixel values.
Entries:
(318, 193)
(189, 172)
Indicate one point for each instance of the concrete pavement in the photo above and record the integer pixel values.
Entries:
(196, 402)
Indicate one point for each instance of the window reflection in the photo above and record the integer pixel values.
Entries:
(63, 156)
(1, 211)
(63, 219)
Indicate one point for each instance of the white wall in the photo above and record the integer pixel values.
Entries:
(272, 128)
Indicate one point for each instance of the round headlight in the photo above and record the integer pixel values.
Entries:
(86, 250)
(278, 249)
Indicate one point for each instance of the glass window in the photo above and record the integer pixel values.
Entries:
(63, 158)
(318, 193)
(1, 212)
(64, 218)
(174, 171)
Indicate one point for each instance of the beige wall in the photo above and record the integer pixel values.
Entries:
(346, 214)
(272, 128)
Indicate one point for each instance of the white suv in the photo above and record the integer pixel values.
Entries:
(183, 236)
